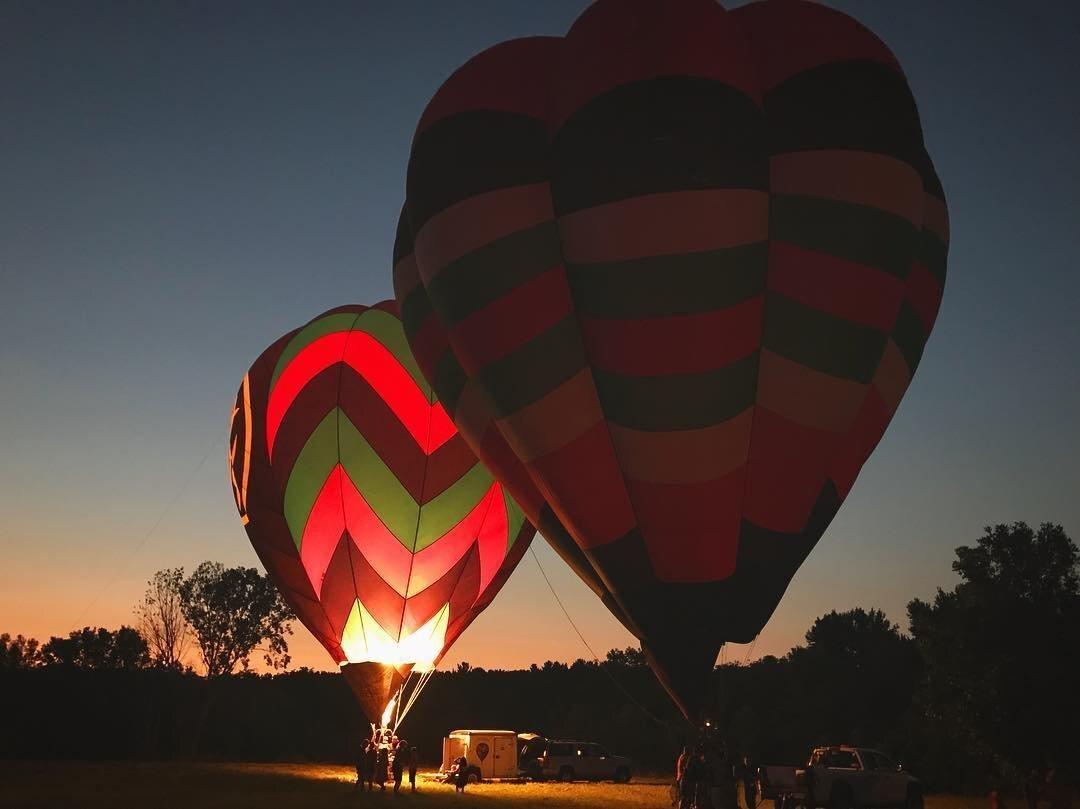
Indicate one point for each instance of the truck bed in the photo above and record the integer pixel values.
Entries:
(776, 780)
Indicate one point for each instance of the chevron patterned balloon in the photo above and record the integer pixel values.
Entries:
(375, 519)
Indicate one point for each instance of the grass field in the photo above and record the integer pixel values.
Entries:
(119, 785)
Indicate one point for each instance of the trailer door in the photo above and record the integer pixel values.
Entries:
(505, 757)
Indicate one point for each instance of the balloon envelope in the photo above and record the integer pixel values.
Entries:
(671, 275)
(380, 527)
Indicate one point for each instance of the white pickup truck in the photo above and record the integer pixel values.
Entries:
(841, 777)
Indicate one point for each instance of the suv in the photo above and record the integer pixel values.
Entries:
(567, 760)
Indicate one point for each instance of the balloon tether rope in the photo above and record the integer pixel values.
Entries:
(423, 680)
(119, 568)
(584, 642)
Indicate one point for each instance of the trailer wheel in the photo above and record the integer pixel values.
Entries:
(566, 774)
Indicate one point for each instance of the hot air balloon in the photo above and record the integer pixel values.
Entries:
(366, 506)
(673, 273)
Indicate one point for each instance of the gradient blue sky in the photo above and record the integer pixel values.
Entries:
(181, 183)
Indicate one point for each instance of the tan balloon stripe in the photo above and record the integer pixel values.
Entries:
(683, 456)
(936, 217)
(892, 377)
(665, 223)
(864, 178)
(584, 486)
(477, 221)
(806, 396)
(555, 420)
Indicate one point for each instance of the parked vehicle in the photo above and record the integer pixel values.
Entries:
(841, 777)
(489, 753)
(567, 760)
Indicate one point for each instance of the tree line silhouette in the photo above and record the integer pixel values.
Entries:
(980, 691)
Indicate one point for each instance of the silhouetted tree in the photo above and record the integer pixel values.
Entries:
(1000, 651)
(629, 658)
(858, 674)
(19, 652)
(234, 612)
(161, 619)
(987, 677)
(97, 648)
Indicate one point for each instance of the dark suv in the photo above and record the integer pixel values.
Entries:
(567, 760)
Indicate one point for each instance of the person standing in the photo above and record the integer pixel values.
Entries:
(810, 801)
(413, 764)
(461, 774)
(370, 757)
(382, 766)
(748, 773)
(680, 768)
(692, 782)
(1033, 789)
(681, 762)
(361, 765)
(1058, 789)
(397, 767)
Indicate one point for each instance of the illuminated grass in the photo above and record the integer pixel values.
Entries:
(117, 785)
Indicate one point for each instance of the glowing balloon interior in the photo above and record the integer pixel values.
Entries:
(375, 519)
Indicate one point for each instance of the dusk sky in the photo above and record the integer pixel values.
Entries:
(182, 183)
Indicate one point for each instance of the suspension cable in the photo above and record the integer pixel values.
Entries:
(600, 664)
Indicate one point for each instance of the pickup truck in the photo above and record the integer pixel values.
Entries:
(841, 777)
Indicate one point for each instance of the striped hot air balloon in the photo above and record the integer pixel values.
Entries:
(671, 275)
(378, 524)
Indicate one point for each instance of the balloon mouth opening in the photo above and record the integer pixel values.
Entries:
(363, 640)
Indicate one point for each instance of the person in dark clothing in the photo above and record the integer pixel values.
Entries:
(361, 765)
(370, 756)
(709, 794)
(461, 774)
(413, 764)
(810, 802)
(1033, 785)
(681, 762)
(693, 781)
(1058, 789)
(680, 768)
(398, 768)
(382, 766)
(748, 773)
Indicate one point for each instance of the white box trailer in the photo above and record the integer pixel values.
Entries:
(492, 752)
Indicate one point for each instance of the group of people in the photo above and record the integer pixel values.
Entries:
(385, 758)
(707, 778)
